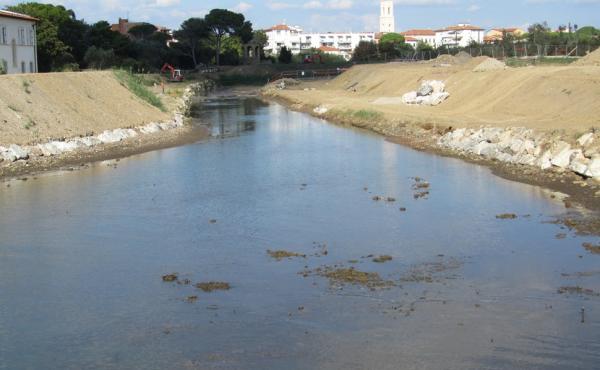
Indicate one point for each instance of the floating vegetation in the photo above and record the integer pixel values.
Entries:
(593, 249)
(343, 275)
(213, 285)
(170, 278)
(281, 254)
(577, 290)
(506, 216)
(191, 299)
(383, 259)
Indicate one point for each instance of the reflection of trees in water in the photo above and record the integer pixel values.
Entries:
(251, 105)
(228, 117)
(232, 129)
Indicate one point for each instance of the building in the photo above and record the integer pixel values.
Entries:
(124, 26)
(298, 41)
(461, 35)
(497, 34)
(387, 19)
(18, 43)
(425, 36)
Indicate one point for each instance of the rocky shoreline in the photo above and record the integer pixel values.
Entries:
(18, 160)
(555, 160)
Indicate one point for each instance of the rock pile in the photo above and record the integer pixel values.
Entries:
(53, 148)
(430, 93)
(524, 146)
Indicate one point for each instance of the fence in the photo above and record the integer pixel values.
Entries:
(516, 50)
(309, 74)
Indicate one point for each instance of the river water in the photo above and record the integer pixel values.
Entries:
(82, 255)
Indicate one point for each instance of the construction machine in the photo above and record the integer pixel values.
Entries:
(176, 75)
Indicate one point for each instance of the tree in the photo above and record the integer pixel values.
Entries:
(189, 36)
(260, 38)
(394, 45)
(285, 56)
(143, 31)
(364, 51)
(222, 22)
(99, 58)
(392, 38)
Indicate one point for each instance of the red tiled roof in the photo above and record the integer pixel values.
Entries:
(412, 39)
(328, 48)
(279, 27)
(509, 30)
(9, 14)
(418, 33)
(461, 28)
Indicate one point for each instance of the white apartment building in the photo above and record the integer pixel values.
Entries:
(461, 35)
(413, 37)
(298, 41)
(18, 43)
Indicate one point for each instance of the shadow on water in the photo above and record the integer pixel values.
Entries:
(368, 275)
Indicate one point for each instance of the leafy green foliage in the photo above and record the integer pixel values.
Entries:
(222, 22)
(364, 51)
(192, 31)
(98, 58)
(143, 31)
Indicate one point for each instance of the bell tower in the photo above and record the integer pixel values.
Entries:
(387, 20)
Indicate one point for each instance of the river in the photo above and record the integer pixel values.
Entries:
(82, 254)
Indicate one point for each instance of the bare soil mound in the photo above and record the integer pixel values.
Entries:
(592, 59)
(490, 64)
(36, 108)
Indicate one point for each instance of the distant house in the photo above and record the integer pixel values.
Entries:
(124, 26)
(298, 41)
(497, 34)
(18, 43)
(461, 35)
(426, 36)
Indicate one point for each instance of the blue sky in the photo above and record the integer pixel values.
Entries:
(346, 15)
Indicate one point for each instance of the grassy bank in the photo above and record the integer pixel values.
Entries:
(137, 85)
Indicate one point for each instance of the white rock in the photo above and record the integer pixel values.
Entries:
(593, 169)
(545, 161)
(410, 98)
(437, 86)
(48, 149)
(88, 141)
(320, 110)
(579, 164)
(561, 156)
(436, 98)
(17, 152)
(150, 128)
(586, 139)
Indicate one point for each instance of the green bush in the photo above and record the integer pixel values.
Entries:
(135, 84)
(3, 70)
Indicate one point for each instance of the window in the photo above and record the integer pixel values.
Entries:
(14, 52)
(23, 70)
(31, 67)
(21, 36)
(3, 38)
(30, 37)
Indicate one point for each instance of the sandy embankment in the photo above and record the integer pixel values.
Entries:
(549, 107)
(91, 114)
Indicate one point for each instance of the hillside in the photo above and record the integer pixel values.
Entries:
(36, 108)
(545, 98)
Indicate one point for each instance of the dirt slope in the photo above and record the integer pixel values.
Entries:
(34, 108)
(592, 59)
(541, 97)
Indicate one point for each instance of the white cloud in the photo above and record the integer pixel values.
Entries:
(474, 8)
(313, 5)
(340, 4)
(242, 7)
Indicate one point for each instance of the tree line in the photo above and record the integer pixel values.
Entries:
(538, 40)
(68, 43)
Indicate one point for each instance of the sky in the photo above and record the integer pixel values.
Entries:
(344, 15)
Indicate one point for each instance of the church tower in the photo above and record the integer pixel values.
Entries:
(387, 21)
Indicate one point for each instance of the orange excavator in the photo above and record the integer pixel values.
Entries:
(176, 75)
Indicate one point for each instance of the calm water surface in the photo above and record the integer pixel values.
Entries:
(82, 254)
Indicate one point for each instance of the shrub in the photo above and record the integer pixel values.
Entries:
(285, 56)
(98, 58)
